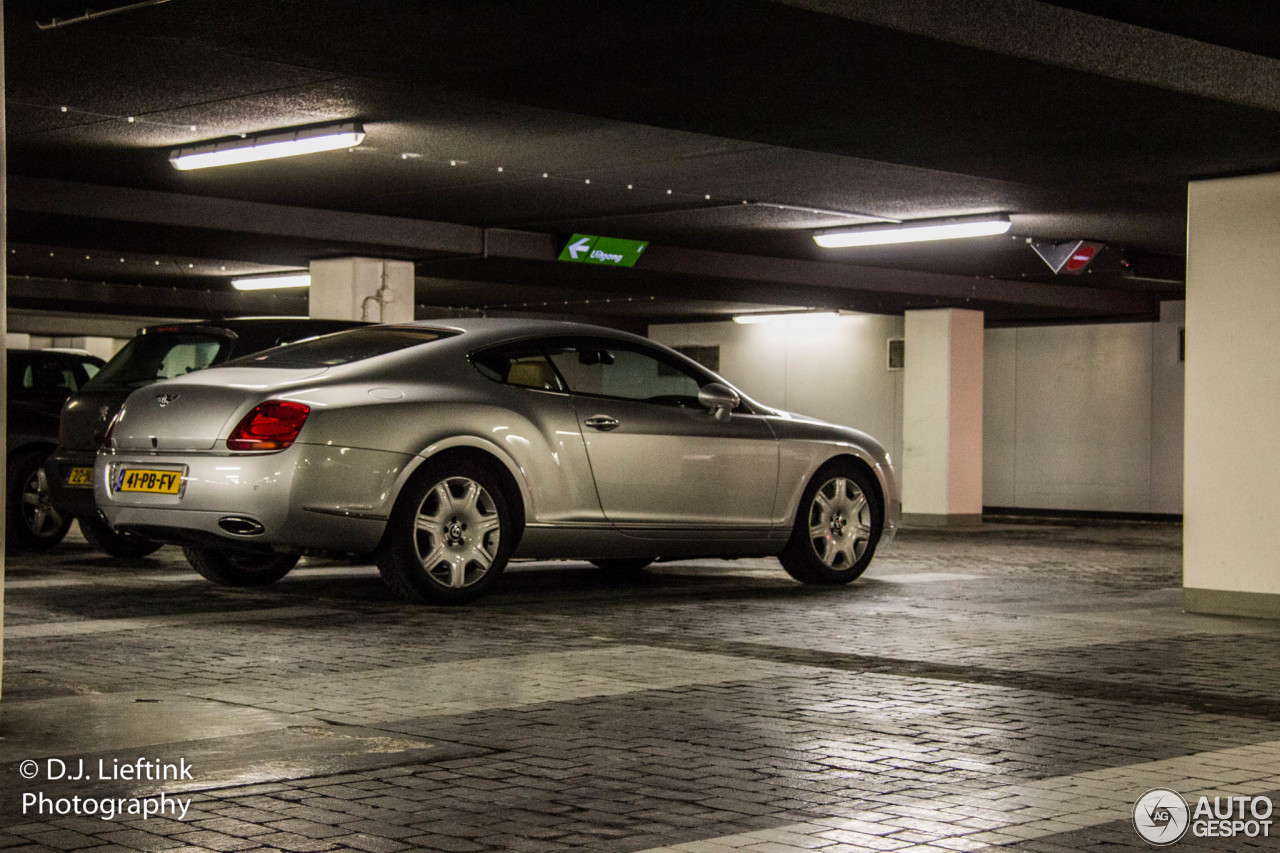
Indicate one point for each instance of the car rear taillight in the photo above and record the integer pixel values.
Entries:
(273, 425)
(108, 441)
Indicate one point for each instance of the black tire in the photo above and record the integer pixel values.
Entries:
(239, 568)
(447, 543)
(623, 565)
(838, 525)
(128, 545)
(32, 522)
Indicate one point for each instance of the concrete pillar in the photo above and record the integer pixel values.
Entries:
(1231, 506)
(349, 288)
(4, 324)
(942, 418)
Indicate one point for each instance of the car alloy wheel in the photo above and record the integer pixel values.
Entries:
(457, 532)
(450, 534)
(33, 522)
(840, 523)
(37, 507)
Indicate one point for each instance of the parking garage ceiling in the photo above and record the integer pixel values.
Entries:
(722, 132)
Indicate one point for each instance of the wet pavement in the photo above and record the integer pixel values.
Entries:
(1017, 686)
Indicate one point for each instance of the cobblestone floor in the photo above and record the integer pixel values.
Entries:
(1018, 687)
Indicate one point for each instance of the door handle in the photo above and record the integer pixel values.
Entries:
(604, 423)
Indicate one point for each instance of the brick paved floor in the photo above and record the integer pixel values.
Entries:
(1019, 687)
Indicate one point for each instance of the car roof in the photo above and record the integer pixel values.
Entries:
(485, 330)
(237, 324)
(52, 355)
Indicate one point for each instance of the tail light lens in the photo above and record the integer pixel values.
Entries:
(108, 437)
(273, 425)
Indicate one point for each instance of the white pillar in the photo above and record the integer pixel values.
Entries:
(1231, 503)
(942, 418)
(373, 289)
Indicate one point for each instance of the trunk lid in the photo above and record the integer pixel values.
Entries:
(196, 413)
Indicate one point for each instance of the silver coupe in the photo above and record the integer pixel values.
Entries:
(444, 449)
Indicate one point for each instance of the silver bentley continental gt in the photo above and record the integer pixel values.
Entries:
(444, 449)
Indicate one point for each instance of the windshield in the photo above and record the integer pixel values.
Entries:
(343, 347)
(149, 358)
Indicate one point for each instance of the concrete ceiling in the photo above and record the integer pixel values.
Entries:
(724, 132)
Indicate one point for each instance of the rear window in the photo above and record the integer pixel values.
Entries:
(149, 358)
(343, 347)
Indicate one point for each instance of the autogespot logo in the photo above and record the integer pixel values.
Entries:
(1161, 816)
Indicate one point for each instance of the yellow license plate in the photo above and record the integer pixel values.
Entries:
(80, 477)
(147, 480)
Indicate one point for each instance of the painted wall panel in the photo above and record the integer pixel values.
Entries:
(1083, 438)
(1167, 415)
(999, 420)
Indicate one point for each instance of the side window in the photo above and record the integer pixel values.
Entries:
(614, 369)
(524, 366)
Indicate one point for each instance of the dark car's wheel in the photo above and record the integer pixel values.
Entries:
(838, 524)
(128, 545)
(622, 564)
(449, 536)
(32, 520)
(239, 568)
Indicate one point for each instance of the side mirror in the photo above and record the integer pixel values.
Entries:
(720, 399)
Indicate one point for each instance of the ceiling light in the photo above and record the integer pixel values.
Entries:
(272, 282)
(913, 232)
(286, 143)
(746, 319)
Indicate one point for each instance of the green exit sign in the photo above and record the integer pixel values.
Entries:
(611, 251)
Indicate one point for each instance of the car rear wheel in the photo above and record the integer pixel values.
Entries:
(239, 568)
(838, 524)
(449, 536)
(33, 522)
(128, 545)
(622, 564)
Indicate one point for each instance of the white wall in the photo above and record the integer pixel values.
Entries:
(834, 369)
(1232, 536)
(1084, 417)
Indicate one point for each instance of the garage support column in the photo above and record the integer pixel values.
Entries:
(942, 418)
(373, 289)
(4, 327)
(1231, 539)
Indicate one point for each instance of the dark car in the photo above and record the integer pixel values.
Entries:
(158, 352)
(40, 381)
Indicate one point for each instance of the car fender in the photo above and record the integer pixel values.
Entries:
(474, 442)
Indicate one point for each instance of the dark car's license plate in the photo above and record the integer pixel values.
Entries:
(149, 480)
(81, 477)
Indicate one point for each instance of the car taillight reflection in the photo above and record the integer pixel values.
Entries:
(273, 425)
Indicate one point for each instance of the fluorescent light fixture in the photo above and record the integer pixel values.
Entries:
(272, 282)
(747, 319)
(913, 232)
(267, 146)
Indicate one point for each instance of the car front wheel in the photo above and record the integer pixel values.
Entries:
(239, 568)
(838, 524)
(449, 536)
